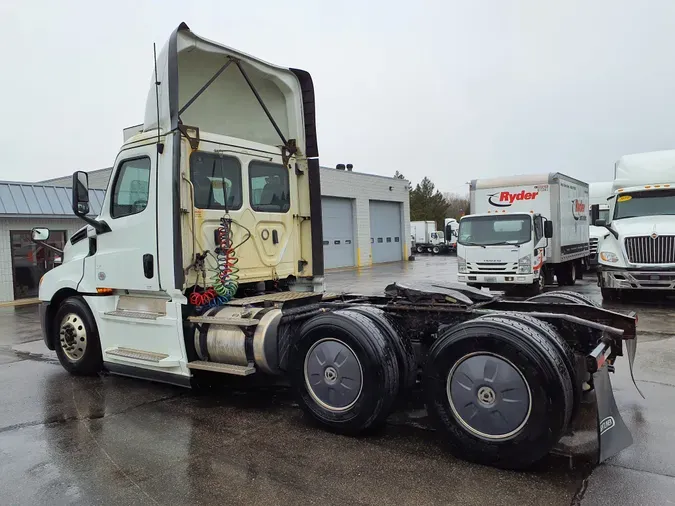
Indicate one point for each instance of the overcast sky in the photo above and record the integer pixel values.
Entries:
(451, 89)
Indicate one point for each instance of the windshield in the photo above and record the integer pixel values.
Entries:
(492, 230)
(645, 203)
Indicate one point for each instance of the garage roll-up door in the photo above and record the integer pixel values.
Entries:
(386, 236)
(338, 232)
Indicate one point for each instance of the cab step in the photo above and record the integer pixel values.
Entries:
(215, 320)
(236, 370)
(142, 356)
(140, 315)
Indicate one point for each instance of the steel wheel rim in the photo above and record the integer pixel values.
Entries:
(489, 396)
(333, 375)
(73, 337)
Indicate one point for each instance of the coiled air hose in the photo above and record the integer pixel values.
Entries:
(226, 277)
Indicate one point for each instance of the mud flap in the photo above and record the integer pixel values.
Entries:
(613, 434)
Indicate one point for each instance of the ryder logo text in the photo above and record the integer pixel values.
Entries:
(506, 199)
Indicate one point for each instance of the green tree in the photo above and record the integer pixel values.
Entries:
(398, 175)
(427, 203)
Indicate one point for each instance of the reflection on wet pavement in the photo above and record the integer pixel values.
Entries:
(111, 440)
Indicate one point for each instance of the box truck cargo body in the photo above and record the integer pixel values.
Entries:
(524, 231)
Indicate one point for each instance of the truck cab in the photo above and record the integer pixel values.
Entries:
(502, 250)
(217, 196)
(637, 250)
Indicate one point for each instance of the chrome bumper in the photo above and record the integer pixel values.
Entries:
(637, 279)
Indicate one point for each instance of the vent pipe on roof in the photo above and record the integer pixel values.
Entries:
(340, 166)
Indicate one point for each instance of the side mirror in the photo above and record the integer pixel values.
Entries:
(39, 234)
(80, 193)
(548, 229)
(600, 223)
(595, 213)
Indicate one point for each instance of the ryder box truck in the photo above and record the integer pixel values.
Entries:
(524, 230)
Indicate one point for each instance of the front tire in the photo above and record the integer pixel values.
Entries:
(498, 391)
(77, 343)
(344, 372)
(610, 294)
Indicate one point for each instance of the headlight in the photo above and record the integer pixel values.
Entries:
(461, 265)
(608, 256)
(525, 264)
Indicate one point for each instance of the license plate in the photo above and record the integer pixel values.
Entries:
(490, 279)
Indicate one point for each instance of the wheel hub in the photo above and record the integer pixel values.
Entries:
(73, 337)
(333, 375)
(489, 396)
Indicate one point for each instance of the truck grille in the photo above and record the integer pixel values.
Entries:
(594, 247)
(492, 268)
(646, 250)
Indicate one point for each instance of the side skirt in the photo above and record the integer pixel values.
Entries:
(145, 374)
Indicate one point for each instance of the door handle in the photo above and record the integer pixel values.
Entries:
(148, 266)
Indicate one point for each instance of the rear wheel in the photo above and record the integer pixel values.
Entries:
(497, 390)
(566, 274)
(77, 343)
(344, 371)
(435, 250)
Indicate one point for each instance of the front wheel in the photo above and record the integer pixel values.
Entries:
(77, 346)
(610, 294)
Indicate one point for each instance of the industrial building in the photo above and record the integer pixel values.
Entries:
(366, 220)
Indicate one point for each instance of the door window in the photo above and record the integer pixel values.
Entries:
(132, 188)
(538, 229)
(269, 187)
(216, 180)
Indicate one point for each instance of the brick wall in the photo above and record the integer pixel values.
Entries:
(71, 226)
(363, 188)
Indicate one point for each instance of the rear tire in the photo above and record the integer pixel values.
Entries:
(344, 371)
(405, 355)
(565, 297)
(566, 274)
(77, 342)
(521, 363)
(554, 337)
(435, 250)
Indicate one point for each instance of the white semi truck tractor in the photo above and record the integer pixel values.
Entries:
(207, 258)
(599, 193)
(637, 250)
(523, 231)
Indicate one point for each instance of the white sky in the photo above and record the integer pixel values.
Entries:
(451, 89)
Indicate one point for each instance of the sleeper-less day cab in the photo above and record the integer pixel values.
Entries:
(207, 258)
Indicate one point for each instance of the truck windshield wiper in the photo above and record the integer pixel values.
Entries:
(503, 242)
(472, 244)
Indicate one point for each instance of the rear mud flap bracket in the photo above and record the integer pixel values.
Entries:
(613, 434)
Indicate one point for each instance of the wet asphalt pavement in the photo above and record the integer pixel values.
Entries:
(112, 440)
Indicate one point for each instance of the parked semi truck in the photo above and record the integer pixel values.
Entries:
(599, 195)
(207, 258)
(525, 230)
(637, 251)
(427, 238)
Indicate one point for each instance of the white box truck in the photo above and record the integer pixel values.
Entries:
(599, 198)
(427, 238)
(188, 271)
(637, 251)
(523, 231)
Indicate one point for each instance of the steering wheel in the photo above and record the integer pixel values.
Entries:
(139, 205)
